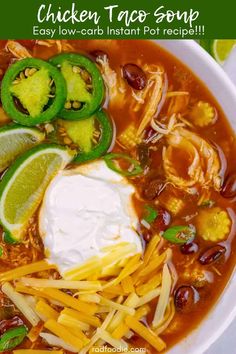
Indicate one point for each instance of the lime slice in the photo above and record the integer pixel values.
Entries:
(15, 140)
(218, 48)
(221, 49)
(23, 186)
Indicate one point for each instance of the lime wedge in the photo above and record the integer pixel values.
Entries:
(23, 186)
(218, 48)
(221, 49)
(15, 140)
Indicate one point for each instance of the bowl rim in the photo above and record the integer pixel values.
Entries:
(228, 88)
(203, 55)
(230, 93)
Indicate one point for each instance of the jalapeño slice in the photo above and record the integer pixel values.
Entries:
(33, 91)
(112, 161)
(85, 87)
(180, 234)
(12, 338)
(91, 137)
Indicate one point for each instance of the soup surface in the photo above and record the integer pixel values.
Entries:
(173, 151)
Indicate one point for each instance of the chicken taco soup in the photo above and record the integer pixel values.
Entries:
(117, 197)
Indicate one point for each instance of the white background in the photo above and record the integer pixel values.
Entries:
(226, 344)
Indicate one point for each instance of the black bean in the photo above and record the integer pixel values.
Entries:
(212, 254)
(162, 220)
(153, 188)
(135, 76)
(99, 54)
(147, 236)
(189, 248)
(185, 298)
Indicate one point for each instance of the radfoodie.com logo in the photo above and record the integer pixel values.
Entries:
(106, 349)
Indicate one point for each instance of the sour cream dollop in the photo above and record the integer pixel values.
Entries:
(85, 210)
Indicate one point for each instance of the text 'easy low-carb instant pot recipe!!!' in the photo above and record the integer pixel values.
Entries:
(117, 198)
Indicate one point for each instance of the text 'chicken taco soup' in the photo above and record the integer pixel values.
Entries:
(117, 198)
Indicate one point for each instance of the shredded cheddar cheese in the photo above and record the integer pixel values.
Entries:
(105, 299)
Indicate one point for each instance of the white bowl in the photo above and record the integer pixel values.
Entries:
(213, 76)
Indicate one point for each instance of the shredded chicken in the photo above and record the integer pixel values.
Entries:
(152, 95)
(204, 167)
(113, 82)
(62, 45)
(165, 129)
(18, 50)
(149, 100)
